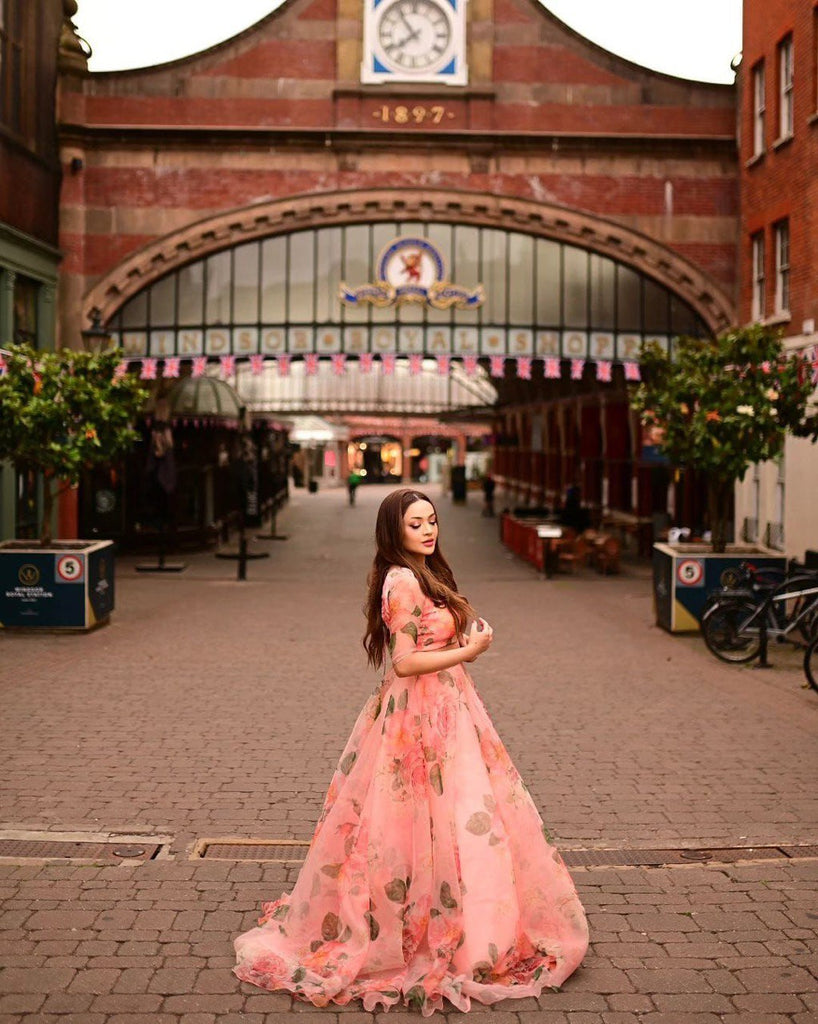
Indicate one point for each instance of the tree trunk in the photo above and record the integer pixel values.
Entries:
(718, 504)
(48, 506)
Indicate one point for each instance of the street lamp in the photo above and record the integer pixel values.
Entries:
(95, 338)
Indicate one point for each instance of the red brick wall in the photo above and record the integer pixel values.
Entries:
(783, 182)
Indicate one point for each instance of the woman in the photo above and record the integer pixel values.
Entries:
(429, 874)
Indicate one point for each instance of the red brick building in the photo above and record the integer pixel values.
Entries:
(212, 206)
(778, 259)
(35, 41)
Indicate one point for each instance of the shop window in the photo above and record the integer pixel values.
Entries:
(782, 266)
(785, 88)
(759, 281)
(759, 106)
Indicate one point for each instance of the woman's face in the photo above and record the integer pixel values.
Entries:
(420, 529)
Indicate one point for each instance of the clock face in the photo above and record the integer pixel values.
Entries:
(414, 34)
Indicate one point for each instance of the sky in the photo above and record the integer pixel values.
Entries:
(693, 39)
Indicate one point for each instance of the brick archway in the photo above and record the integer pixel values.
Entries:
(262, 220)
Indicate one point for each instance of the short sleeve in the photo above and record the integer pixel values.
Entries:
(402, 607)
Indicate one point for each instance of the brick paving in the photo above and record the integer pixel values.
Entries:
(212, 708)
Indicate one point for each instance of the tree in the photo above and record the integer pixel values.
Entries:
(62, 412)
(721, 406)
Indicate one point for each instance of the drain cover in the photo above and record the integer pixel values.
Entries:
(64, 849)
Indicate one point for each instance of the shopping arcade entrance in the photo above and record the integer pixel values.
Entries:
(560, 320)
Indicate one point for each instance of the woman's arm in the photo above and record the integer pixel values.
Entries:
(420, 663)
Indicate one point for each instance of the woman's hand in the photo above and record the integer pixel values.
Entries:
(479, 639)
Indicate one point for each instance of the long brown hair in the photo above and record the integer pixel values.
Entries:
(435, 577)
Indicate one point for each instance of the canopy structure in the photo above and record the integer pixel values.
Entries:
(198, 400)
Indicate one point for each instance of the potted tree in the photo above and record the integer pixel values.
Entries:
(61, 412)
(718, 407)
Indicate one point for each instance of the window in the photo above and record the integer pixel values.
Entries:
(780, 490)
(758, 108)
(758, 307)
(782, 266)
(785, 92)
(26, 292)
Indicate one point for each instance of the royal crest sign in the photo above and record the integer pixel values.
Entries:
(412, 270)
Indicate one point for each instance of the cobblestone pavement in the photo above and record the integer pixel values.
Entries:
(213, 708)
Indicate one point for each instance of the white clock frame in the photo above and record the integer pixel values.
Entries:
(376, 67)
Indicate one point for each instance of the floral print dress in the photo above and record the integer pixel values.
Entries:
(429, 874)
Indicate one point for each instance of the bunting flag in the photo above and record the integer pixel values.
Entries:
(632, 371)
(171, 367)
(283, 366)
(524, 367)
(498, 366)
(256, 365)
(365, 361)
(443, 365)
(387, 365)
(553, 369)
(339, 364)
(120, 370)
(148, 371)
(228, 366)
(577, 369)
(470, 365)
(603, 370)
(199, 366)
(415, 363)
(311, 364)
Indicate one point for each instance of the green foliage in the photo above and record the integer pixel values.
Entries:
(61, 412)
(721, 406)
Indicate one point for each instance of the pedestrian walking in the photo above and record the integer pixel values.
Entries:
(429, 874)
(353, 480)
(488, 495)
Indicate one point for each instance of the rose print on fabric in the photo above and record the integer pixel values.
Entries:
(425, 818)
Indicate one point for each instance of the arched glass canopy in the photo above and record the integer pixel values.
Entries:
(291, 282)
(281, 297)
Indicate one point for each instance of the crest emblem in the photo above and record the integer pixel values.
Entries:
(412, 270)
(28, 575)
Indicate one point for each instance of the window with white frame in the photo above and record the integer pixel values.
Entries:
(758, 306)
(780, 491)
(759, 107)
(785, 88)
(782, 266)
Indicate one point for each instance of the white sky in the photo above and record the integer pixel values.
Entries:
(693, 39)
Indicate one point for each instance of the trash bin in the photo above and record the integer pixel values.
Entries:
(459, 484)
(312, 487)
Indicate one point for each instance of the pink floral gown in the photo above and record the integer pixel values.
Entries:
(429, 873)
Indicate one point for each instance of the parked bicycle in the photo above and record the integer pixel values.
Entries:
(736, 619)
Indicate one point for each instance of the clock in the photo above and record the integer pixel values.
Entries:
(414, 41)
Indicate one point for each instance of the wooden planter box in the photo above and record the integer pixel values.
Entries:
(685, 574)
(68, 585)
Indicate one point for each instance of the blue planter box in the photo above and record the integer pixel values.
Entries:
(69, 585)
(685, 574)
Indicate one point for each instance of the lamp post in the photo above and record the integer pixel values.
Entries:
(95, 338)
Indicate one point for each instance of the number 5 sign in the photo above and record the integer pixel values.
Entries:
(690, 572)
(70, 569)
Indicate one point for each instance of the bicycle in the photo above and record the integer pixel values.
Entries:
(733, 623)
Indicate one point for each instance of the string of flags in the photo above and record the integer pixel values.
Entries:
(152, 368)
(169, 367)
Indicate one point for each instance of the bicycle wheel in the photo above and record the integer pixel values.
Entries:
(811, 663)
(722, 631)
